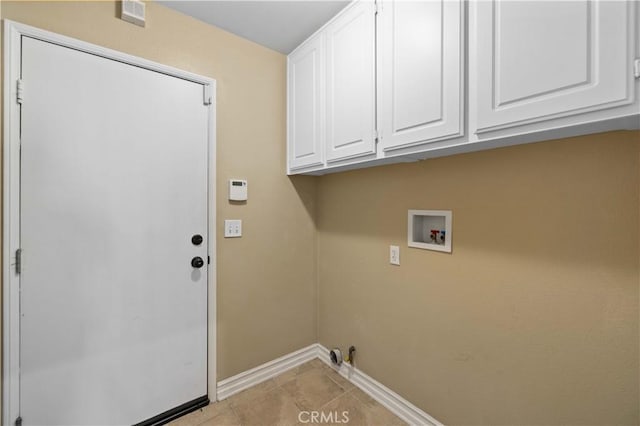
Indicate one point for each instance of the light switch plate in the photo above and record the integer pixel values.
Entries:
(233, 228)
(394, 255)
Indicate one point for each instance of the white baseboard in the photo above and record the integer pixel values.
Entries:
(385, 396)
(246, 379)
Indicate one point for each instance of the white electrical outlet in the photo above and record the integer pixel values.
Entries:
(394, 255)
(233, 228)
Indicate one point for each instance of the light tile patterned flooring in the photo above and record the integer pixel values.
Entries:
(279, 401)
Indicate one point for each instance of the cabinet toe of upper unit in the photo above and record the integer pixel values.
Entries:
(392, 81)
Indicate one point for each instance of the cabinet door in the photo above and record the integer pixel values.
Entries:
(420, 77)
(351, 83)
(537, 60)
(306, 104)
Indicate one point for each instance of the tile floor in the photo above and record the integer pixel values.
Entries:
(279, 401)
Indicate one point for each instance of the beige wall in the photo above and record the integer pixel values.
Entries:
(266, 279)
(533, 319)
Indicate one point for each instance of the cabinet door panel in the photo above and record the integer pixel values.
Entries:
(537, 60)
(305, 97)
(351, 83)
(420, 72)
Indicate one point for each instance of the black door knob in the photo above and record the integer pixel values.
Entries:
(197, 262)
(196, 240)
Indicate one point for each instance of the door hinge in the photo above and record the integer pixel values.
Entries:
(376, 6)
(18, 421)
(20, 91)
(636, 68)
(208, 96)
(18, 262)
(376, 136)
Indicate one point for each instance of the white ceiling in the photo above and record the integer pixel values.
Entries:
(279, 25)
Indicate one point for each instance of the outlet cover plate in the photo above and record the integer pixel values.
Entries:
(394, 255)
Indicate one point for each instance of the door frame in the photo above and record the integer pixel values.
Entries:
(13, 33)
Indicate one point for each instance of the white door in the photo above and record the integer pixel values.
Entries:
(351, 83)
(306, 103)
(114, 186)
(536, 60)
(420, 74)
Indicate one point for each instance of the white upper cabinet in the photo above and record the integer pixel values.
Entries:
(539, 60)
(305, 124)
(395, 81)
(350, 79)
(420, 72)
